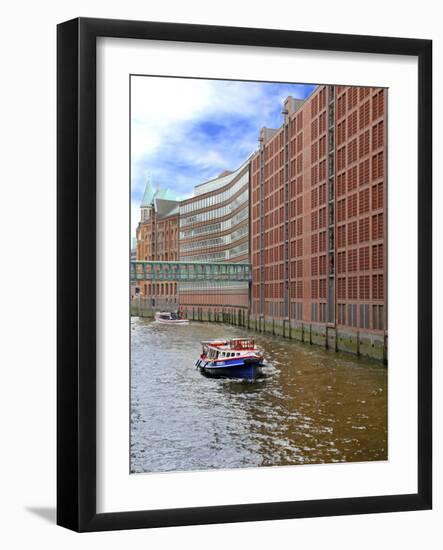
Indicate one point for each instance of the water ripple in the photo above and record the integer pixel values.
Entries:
(312, 406)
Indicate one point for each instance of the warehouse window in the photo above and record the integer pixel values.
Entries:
(377, 317)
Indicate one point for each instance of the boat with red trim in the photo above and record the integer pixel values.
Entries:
(235, 358)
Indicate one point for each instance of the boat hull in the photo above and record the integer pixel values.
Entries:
(244, 369)
(173, 321)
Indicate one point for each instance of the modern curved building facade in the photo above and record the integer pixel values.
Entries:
(214, 228)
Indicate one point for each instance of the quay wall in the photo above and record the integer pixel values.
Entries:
(357, 342)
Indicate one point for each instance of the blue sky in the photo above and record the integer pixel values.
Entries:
(186, 131)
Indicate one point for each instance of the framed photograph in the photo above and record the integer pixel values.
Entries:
(244, 274)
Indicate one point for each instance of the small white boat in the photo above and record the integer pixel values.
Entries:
(170, 318)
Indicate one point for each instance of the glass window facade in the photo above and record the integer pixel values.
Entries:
(218, 211)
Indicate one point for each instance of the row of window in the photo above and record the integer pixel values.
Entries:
(318, 312)
(364, 110)
(318, 149)
(357, 260)
(274, 309)
(210, 257)
(318, 101)
(274, 198)
(318, 195)
(213, 200)
(206, 229)
(318, 288)
(206, 286)
(348, 234)
(274, 254)
(357, 288)
(359, 203)
(223, 240)
(160, 289)
(363, 234)
(350, 178)
(347, 155)
(272, 146)
(363, 263)
(348, 130)
(232, 253)
(165, 257)
(347, 314)
(217, 212)
(318, 125)
(297, 310)
(353, 287)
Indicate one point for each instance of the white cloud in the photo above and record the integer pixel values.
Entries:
(161, 109)
(165, 113)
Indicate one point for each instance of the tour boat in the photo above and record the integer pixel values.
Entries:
(170, 318)
(236, 358)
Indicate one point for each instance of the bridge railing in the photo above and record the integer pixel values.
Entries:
(188, 271)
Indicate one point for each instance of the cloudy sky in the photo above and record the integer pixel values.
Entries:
(186, 131)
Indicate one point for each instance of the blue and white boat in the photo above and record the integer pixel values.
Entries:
(236, 358)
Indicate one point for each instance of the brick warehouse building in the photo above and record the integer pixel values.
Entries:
(214, 227)
(318, 227)
(157, 240)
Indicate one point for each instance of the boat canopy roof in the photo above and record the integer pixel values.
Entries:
(233, 344)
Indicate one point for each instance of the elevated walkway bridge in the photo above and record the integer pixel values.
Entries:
(189, 271)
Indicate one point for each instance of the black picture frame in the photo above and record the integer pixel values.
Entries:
(76, 280)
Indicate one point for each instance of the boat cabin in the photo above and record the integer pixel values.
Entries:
(169, 315)
(227, 349)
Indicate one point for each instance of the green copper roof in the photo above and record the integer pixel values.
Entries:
(160, 194)
(165, 194)
(149, 194)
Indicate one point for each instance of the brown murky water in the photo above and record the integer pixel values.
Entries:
(313, 406)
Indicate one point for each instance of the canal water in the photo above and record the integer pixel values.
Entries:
(313, 406)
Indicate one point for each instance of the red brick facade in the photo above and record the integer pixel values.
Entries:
(157, 240)
(318, 212)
